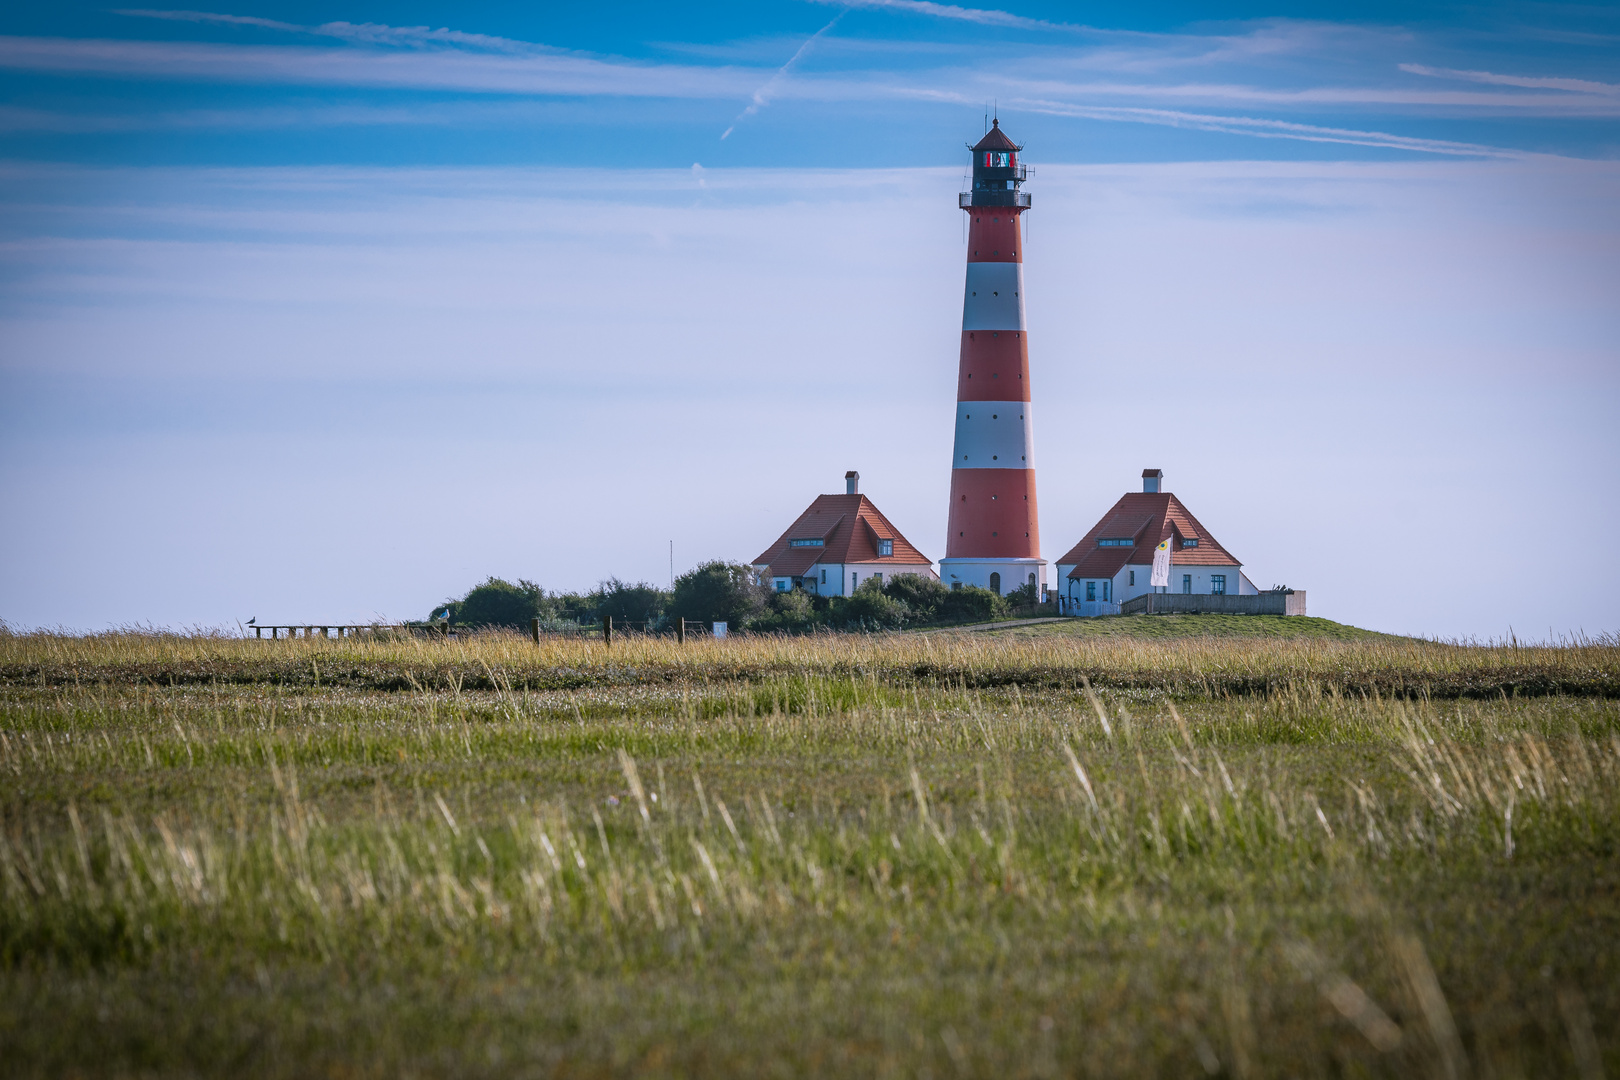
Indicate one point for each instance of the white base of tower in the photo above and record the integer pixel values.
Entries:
(1010, 573)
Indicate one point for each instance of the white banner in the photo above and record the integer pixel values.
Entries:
(1161, 564)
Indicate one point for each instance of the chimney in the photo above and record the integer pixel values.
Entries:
(852, 483)
(1152, 481)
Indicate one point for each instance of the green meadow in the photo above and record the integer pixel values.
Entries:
(1169, 846)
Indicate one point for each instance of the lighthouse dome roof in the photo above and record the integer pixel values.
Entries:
(996, 139)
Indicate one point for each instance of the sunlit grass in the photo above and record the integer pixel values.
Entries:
(1194, 663)
(802, 856)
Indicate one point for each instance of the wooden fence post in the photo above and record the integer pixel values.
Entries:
(607, 630)
(680, 631)
(534, 630)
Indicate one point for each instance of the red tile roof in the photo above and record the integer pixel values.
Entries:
(996, 139)
(849, 527)
(1145, 519)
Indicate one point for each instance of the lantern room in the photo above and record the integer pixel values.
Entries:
(997, 172)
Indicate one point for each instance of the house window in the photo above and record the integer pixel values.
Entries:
(824, 575)
(1106, 591)
(1217, 584)
(1116, 541)
(1091, 590)
(806, 542)
(1133, 578)
(853, 578)
(1190, 543)
(885, 548)
(878, 577)
(995, 584)
(1186, 583)
(783, 584)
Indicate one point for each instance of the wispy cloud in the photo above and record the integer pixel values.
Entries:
(440, 69)
(762, 96)
(982, 16)
(483, 111)
(1574, 86)
(1265, 128)
(1295, 97)
(209, 17)
(364, 33)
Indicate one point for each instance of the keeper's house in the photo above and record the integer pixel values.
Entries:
(1114, 562)
(838, 543)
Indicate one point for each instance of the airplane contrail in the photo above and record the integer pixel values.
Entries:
(762, 96)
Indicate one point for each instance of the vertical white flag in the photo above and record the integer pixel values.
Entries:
(1161, 564)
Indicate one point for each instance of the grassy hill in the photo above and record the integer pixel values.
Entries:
(1213, 625)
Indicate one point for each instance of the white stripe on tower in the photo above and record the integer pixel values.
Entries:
(994, 297)
(994, 435)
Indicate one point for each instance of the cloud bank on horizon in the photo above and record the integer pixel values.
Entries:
(328, 318)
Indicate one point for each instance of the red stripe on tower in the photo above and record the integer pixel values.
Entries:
(994, 540)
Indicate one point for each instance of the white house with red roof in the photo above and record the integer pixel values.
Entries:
(1114, 561)
(839, 542)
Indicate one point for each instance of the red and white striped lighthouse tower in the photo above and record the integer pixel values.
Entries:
(994, 540)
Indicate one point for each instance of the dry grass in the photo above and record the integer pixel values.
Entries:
(1197, 663)
(801, 857)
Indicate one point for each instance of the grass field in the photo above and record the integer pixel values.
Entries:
(1028, 852)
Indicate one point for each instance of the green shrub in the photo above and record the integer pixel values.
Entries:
(790, 611)
(922, 595)
(870, 608)
(972, 604)
(626, 603)
(496, 602)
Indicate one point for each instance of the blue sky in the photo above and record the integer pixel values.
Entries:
(324, 312)
(875, 84)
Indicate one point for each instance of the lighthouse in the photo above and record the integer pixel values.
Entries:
(994, 540)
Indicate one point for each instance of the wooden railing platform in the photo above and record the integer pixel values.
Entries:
(335, 630)
(607, 628)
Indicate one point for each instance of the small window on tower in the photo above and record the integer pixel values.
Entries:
(997, 159)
